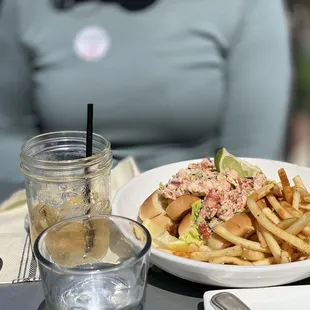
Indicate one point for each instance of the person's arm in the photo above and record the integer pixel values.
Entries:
(258, 83)
(17, 122)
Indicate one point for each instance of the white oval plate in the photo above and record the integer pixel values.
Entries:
(129, 198)
(275, 298)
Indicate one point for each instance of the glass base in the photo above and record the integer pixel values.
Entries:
(43, 306)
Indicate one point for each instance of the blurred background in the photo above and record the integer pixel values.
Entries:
(298, 143)
(298, 130)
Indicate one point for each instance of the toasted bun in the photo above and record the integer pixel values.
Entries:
(181, 206)
(162, 221)
(185, 224)
(241, 225)
(151, 207)
(160, 224)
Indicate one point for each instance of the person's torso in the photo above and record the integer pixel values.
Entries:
(156, 76)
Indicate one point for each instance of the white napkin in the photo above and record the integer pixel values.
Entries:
(19, 264)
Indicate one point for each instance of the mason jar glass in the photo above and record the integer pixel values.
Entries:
(61, 182)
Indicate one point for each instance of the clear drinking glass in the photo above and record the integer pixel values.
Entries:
(60, 182)
(110, 272)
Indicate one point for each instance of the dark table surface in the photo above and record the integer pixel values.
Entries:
(164, 291)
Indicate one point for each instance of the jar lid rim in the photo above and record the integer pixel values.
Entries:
(25, 157)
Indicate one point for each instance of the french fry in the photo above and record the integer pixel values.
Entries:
(302, 237)
(303, 193)
(285, 258)
(264, 262)
(283, 213)
(306, 231)
(206, 256)
(299, 225)
(276, 191)
(287, 223)
(306, 198)
(304, 207)
(260, 236)
(253, 255)
(272, 244)
(261, 193)
(296, 256)
(295, 213)
(268, 225)
(289, 249)
(299, 183)
(230, 260)
(248, 244)
(272, 217)
(296, 200)
(287, 190)
(262, 203)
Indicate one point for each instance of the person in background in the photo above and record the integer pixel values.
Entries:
(170, 79)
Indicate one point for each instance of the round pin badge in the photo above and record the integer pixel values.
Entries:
(92, 43)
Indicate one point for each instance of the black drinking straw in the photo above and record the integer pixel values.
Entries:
(89, 145)
(89, 130)
(89, 152)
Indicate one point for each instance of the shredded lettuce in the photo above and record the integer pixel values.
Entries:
(193, 235)
(196, 207)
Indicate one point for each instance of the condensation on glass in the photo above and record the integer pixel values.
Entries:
(60, 182)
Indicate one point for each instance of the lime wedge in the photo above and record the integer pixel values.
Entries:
(226, 161)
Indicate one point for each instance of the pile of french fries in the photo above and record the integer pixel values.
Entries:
(282, 228)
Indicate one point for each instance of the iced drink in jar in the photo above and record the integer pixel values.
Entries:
(60, 182)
